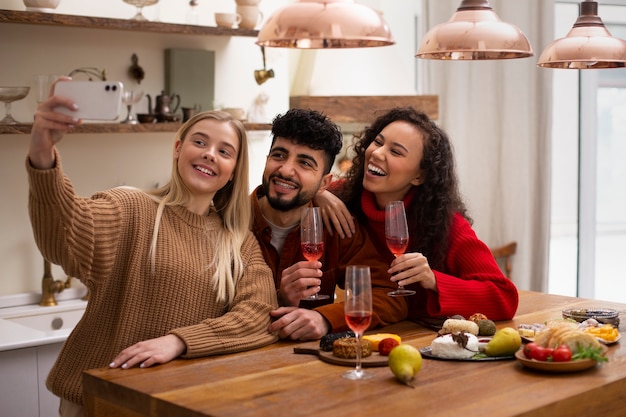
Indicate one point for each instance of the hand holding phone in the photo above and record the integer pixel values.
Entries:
(96, 100)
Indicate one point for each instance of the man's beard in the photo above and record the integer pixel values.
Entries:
(281, 204)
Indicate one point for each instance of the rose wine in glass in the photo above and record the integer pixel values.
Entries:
(312, 251)
(312, 239)
(397, 237)
(358, 311)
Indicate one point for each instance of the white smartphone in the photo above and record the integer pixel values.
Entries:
(96, 100)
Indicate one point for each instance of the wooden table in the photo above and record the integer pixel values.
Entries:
(273, 381)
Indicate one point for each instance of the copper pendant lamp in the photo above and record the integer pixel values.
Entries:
(588, 45)
(474, 32)
(318, 24)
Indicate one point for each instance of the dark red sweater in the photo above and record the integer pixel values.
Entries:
(470, 282)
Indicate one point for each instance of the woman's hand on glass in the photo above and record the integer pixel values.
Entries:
(411, 268)
(335, 214)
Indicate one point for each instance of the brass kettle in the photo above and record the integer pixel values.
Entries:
(165, 104)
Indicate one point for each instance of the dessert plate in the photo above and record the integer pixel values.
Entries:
(375, 359)
(609, 342)
(428, 353)
(555, 367)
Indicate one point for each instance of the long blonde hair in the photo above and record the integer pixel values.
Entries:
(231, 203)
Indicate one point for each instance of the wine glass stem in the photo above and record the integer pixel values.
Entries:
(358, 355)
(7, 109)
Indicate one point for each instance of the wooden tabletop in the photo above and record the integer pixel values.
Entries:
(273, 381)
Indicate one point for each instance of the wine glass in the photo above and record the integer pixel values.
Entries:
(358, 311)
(312, 239)
(397, 237)
(140, 4)
(8, 95)
(130, 98)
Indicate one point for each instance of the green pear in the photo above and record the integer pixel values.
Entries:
(505, 342)
(405, 362)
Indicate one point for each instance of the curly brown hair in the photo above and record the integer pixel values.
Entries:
(436, 200)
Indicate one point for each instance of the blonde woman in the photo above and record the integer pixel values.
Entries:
(171, 273)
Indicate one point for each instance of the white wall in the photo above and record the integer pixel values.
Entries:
(100, 161)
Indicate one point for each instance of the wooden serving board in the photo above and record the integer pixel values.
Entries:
(375, 359)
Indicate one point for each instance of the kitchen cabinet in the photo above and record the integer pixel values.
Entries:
(23, 389)
(89, 23)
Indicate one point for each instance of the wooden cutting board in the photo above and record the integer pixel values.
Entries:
(375, 359)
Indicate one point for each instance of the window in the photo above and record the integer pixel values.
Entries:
(588, 232)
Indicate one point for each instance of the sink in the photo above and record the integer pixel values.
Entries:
(30, 325)
(50, 321)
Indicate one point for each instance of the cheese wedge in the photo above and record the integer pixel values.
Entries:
(375, 339)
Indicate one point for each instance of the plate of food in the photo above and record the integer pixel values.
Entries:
(460, 347)
(371, 360)
(609, 342)
(340, 348)
(606, 334)
(555, 367)
(427, 352)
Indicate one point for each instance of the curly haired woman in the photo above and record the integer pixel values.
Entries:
(405, 156)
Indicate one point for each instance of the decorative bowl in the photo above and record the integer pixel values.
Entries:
(146, 117)
(10, 94)
(46, 6)
(167, 118)
(602, 315)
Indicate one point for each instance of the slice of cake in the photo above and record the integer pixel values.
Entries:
(346, 348)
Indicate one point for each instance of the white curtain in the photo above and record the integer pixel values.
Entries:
(497, 114)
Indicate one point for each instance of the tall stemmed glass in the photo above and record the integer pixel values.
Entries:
(358, 310)
(8, 95)
(140, 4)
(397, 237)
(312, 239)
(130, 98)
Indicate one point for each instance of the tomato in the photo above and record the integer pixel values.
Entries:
(562, 354)
(541, 353)
(528, 349)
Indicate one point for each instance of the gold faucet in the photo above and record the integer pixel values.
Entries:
(50, 286)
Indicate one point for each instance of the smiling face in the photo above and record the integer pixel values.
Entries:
(293, 175)
(392, 162)
(206, 160)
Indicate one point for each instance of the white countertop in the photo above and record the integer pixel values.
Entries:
(17, 336)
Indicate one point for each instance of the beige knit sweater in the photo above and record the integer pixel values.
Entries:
(105, 240)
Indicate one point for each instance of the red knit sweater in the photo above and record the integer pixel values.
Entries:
(470, 282)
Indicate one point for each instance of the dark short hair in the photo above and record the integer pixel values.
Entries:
(310, 128)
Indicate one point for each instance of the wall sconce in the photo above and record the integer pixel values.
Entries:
(474, 32)
(318, 24)
(588, 45)
(263, 75)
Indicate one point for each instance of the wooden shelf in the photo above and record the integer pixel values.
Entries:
(361, 109)
(24, 128)
(53, 19)
(65, 20)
